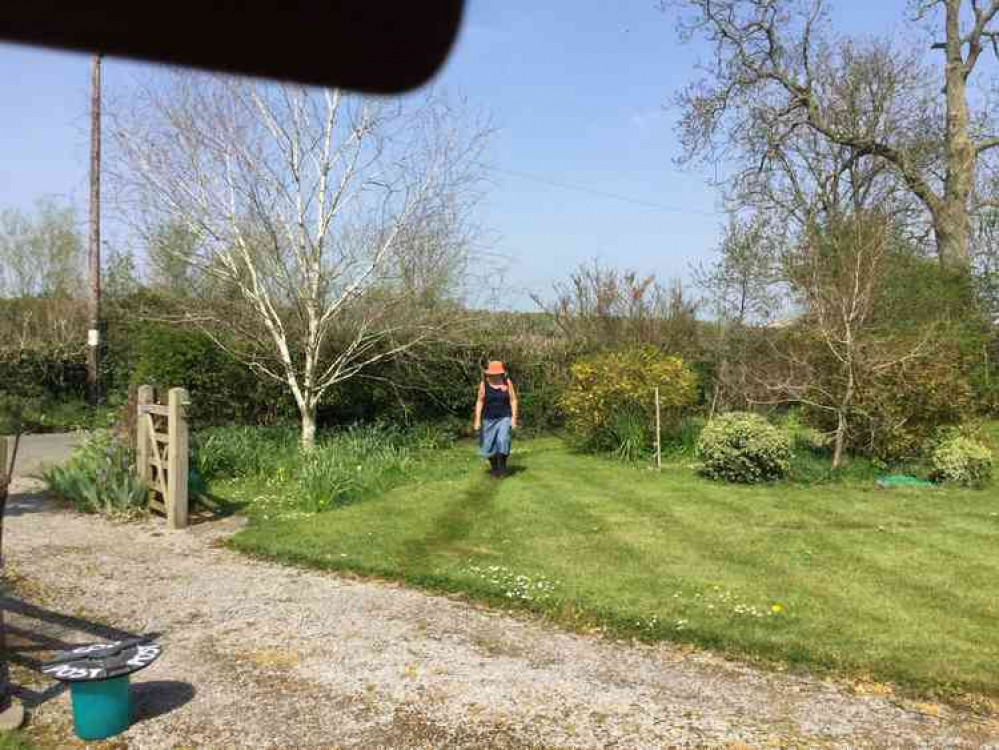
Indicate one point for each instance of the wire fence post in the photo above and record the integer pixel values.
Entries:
(659, 435)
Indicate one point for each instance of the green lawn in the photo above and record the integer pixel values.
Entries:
(899, 585)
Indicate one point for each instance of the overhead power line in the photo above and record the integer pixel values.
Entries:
(603, 193)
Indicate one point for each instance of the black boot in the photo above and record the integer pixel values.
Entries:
(494, 466)
(503, 471)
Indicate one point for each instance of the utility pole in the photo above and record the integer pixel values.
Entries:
(94, 335)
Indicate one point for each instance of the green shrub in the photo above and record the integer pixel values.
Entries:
(222, 389)
(961, 460)
(610, 398)
(743, 447)
(100, 478)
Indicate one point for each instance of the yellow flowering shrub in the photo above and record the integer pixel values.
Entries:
(611, 394)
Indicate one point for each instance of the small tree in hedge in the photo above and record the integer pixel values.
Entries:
(744, 447)
(611, 390)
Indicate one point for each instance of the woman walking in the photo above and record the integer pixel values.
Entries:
(495, 417)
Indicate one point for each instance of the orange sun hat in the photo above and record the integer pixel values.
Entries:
(495, 368)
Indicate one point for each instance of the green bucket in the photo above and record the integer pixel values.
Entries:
(101, 709)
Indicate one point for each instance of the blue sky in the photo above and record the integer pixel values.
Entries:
(578, 92)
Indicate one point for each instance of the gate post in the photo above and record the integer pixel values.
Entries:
(142, 436)
(177, 459)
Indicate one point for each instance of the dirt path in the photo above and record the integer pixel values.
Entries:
(263, 656)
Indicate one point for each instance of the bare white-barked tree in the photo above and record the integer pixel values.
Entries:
(331, 231)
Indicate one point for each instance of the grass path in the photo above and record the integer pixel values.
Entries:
(898, 585)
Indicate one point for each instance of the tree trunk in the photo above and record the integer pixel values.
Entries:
(951, 221)
(837, 460)
(951, 229)
(308, 414)
(844, 409)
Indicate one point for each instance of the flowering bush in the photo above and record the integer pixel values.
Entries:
(609, 394)
(743, 447)
(961, 460)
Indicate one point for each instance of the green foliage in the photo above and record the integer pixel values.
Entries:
(684, 442)
(14, 414)
(630, 433)
(609, 402)
(223, 452)
(745, 448)
(100, 478)
(222, 389)
(70, 416)
(351, 465)
(42, 350)
(804, 438)
(898, 411)
(961, 460)
(345, 466)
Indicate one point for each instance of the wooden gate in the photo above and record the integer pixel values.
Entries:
(162, 452)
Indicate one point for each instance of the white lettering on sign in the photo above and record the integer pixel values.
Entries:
(95, 647)
(143, 656)
(66, 672)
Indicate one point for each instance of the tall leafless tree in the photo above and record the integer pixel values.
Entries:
(314, 211)
(778, 77)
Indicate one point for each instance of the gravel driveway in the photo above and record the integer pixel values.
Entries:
(259, 656)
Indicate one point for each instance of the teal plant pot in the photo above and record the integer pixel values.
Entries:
(101, 709)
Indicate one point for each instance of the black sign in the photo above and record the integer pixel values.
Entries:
(102, 661)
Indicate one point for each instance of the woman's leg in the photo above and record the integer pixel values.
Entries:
(502, 465)
(494, 464)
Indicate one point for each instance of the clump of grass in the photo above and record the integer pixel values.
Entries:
(225, 452)
(348, 465)
(345, 466)
(630, 433)
(15, 740)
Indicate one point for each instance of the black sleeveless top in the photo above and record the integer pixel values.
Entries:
(497, 403)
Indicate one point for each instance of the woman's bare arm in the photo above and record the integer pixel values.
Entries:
(479, 403)
(513, 404)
